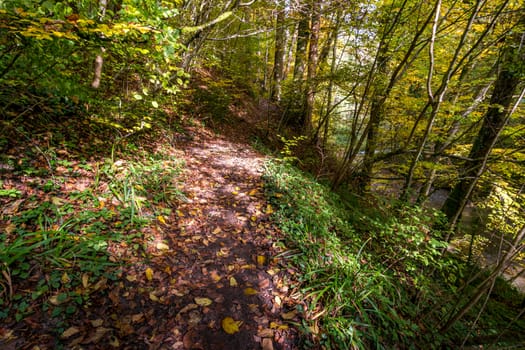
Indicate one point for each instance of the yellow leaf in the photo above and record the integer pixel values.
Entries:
(65, 278)
(149, 274)
(162, 246)
(253, 218)
(131, 278)
(217, 230)
(233, 282)
(250, 291)
(261, 259)
(179, 213)
(203, 301)
(269, 209)
(235, 192)
(153, 297)
(230, 326)
(275, 325)
(161, 219)
(215, 276)
(253, 192)
(278, 195)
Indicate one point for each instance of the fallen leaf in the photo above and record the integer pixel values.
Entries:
(85, 280)
(10, 228)
(161, 219)
(188, 308)
(217, 230)
(97, 323)
(267, 344)
(278, 300)
(99, 333)
(162, 246)
(137, 317)
(230, 326)
(69, 332)
(233, 282)
(149, 274)
(253, 192)
(269, 209)
(153, 297)
(289, 315)
(265, 333)
(261, 259)
(203, 301)
(215, 276)
(131, 278)
(275, 325)
(250, 291)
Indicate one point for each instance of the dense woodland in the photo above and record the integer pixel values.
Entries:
(394, 135)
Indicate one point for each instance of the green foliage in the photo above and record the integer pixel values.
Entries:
(287, 153)
(372, 275)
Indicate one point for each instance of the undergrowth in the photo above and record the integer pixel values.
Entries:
(373, 275)
(76, 197)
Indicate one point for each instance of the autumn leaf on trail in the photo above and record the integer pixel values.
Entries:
(217, 230)
(261, 259)
(275, 325)
(149, 274)
(161, 219)
(289, 315)
(162, 246)
(233, 282)
(203, 301)
(230, 326)
(250, 291)
(253, 192)
(215, 276)
(269, 209)
(69, 332)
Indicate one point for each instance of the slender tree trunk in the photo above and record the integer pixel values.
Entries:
(99, 60)
(313, 56)
(509, 77)
(278, 60)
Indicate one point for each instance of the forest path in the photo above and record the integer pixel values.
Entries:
(221, 264)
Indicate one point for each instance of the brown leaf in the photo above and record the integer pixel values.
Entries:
(265, 333)
(69, 332)
(289, 315)
(267, 344)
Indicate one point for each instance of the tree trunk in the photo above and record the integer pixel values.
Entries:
(494, 120)
(278, 59)
(313, 56)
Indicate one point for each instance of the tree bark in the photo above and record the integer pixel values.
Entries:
(313, 56)
(495, 119)
(278, 60)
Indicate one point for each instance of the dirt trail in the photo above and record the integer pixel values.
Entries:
(221, 261)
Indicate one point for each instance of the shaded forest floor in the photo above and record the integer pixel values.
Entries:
(182, 253)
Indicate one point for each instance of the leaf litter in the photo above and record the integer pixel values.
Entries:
(207, 278)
